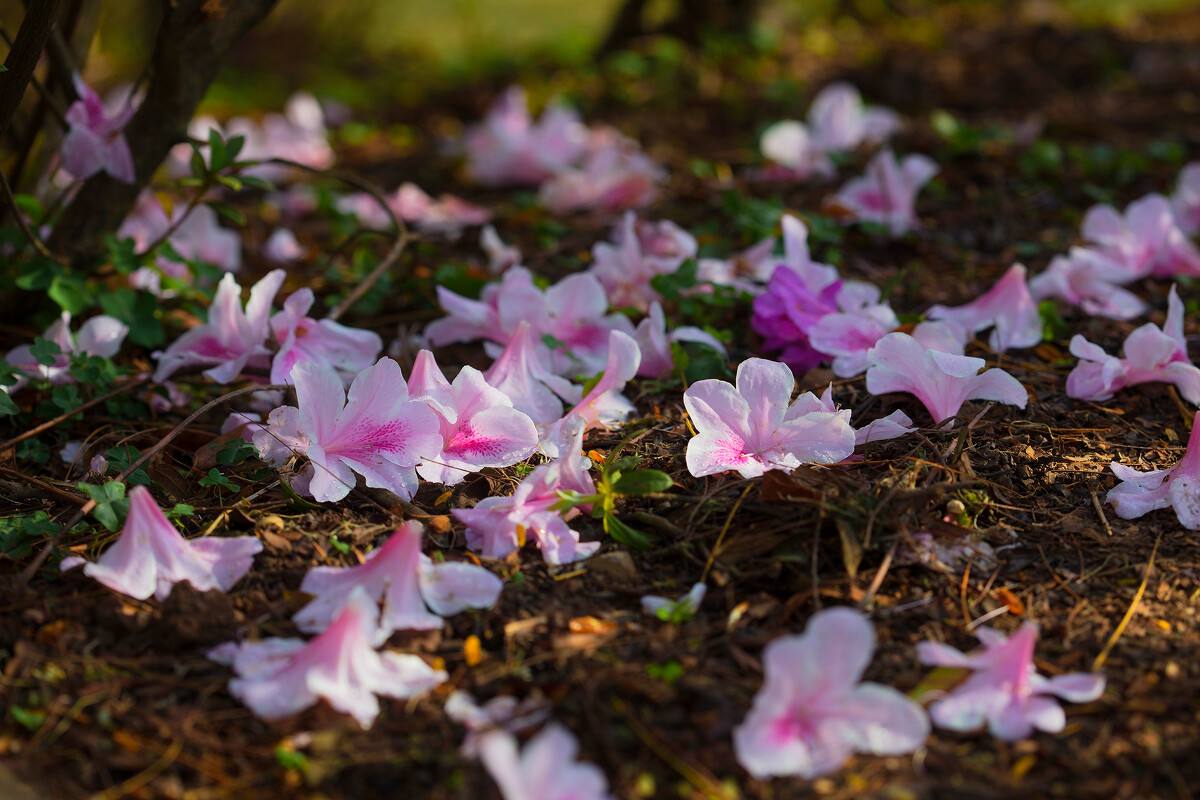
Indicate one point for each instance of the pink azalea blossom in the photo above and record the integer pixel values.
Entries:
(448, 214)
(304, 340)
(376, 430)
(281, 677)
(232, 339)
(753, 428)
(407, 584)
(1145, 240)
(479, 426)
(523, 372)
(198, 237)
(893, 426)
(95, 141)
(1139, 493)
(848, 335)
(500, 255)
(1185, 202)
(1007, 308)
(497, 526)
(639, 252)
(1091, 280)
(100, 336)
(941, 381)
(746, 271)
(509, 148)
(1149, 355)
(1005, 689)
(545, 769)
(813, 713)
(790, 145)
(282, 247)
(887, 193)
(615, 175)
(943, 335)
(572, 314)
(151, 556)
(667, 609)
(787, 311)
(503, 712)
(603, 406)
(655, 343)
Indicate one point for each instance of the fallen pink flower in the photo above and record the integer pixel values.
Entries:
(298, 134)
(406, 583)
(790, 145)
(848, 335)
(100, 336)
(198, 237)
(508, 148)
(1139, 493)
(655, 343)
(1091, 280)
(1149, 355)
(678, 609)
(479, 426)
(941, 381)
(1185, 202)
(376, 430)
(813, 713)
(614, 176)
(523, 373)
(232, 339)
(1005, 690)
(752, 429)
(787, 311)
(282, 247)
(447, 215)
(943, 335)
(497, 526)
(95, 141)
(1007, 308)
(887, 193)
(639, 252)
(500, 255)
(841, 121)
(893, 426)
(151, 556)
(1146, 240)
(745, 271)
(281, 677)
(603, 406)
(304, 340)
(545, 769)
(503, 712)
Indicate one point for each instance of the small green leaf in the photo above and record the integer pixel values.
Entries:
(111, 503)
(630, 537)
(217, 155)
(229, 212)
(122, 457)
(233, 147)
(70, 293)
(44, 351)
(7, 406)
(27, 718)
(215, 478)
(181, 510)
(33, 450)
(643, 481)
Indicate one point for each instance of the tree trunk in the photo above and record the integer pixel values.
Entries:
(193, 40)
(23, 57)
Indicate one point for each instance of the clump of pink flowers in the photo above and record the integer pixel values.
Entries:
(640, 251)
(813, 713)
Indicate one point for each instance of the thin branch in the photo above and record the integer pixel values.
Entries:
(33, 238)
(61, 418)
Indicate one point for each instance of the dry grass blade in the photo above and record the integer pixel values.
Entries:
(1133, 606)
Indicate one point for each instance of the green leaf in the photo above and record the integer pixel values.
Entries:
(123, 254)
(44, 351)
(27, 718)
(217, 155)
(66, 396)
(643, 481)
(229, 212)
(7, 406)
(137, 309)
(672, 285)
(19, 534)
(199, 169)
(122, 457)
(181, 510)
(33, 450)
(255, 182)
(234, 452)
(216, 479)
(32, 207)
(630, 537)
(111, 503)
(70, 292)
(233, 146)
(230, 182)
(37, 274)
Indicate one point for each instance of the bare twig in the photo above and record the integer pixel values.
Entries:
(61, 418)
(37, 243)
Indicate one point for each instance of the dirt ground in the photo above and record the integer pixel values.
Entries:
(115, 696)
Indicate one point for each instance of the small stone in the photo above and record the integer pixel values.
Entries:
(616, 565)
(955, 508)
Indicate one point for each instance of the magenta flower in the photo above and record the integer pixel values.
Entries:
(639, 252)
(812, 712)
(1149, 355)
(151, 556)
(1004, 689)
(752, 429)
(545, 769)
(1091, 280)
(304, 340)
(281, 677)
(407, 584)
(523, 373)
(941, 381)
(887, 193)
(508, 148)
(101, 336)
(376, 430)
(497, 526)
(479, 426)
(95, 141)
(1146, 240)
(615, 175)
(1185, 202)
(787, 311)
(1139, 493)
(604, 405)
(232, 339)
(655, 343)
(1007, 308)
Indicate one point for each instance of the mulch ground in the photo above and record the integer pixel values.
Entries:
(132, 707)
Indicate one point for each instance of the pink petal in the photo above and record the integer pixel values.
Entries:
(450, 588)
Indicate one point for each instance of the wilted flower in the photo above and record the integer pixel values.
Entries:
(232, 339)
(95, 141)
(887, 193)
(508, 148)
(1004, 689)
(151, 556)
(1007, 308)
(407, 584)
(1091, 280)
(376, 430)
(1149, 355)
(100, 336)
(941, 381)
(812, 712)
(1139, 493)
(281, 677)
(1145, 240)
(545, 769)
(752, 428)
